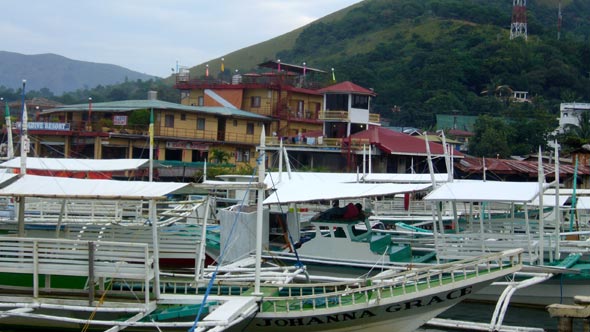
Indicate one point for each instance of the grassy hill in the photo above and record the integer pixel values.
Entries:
(439, 56)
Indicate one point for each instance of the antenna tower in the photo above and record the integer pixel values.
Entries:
(518, 27)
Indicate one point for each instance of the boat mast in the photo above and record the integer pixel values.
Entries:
(9, 145)
(541, 176)
(259, 214)
(24, 149)
(152, 213)
(557, 212)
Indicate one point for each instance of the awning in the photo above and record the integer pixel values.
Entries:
(58, 187)
(486, 191)
(305, 191)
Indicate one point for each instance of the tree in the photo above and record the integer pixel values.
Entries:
(574, 136)
(219, 156)
(491, 138)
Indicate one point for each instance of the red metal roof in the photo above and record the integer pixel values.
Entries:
(347, 87)
(509, 166)
(394, 142)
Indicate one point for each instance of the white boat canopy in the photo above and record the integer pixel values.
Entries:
(59, 187)
(78, 165)
(272, 178)
(306, 191)
(549, 200)
(486, 191)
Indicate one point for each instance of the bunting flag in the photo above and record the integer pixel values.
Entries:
(206, 70)
(333, 75)
(222, 66)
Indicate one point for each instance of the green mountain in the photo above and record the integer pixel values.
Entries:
(442, 56)
(59, 74)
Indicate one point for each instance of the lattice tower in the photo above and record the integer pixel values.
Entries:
(518, 28)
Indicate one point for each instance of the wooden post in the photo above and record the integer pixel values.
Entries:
(565, 324)
(90, 273)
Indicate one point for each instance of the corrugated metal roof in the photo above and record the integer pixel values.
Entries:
(508, 166)
(132, 105)
(347, 87)
(394, 142)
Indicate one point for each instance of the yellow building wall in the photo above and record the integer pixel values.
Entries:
(268, 100)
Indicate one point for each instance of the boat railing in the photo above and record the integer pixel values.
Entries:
(99, 262)
(329, 295)
(470, 244)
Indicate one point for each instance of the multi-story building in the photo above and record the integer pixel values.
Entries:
(119, 129)
(315, 121)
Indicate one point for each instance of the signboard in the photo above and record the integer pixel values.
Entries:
(120, 120)
(187, 145)
(56, 126)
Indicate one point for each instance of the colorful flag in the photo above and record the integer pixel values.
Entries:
(222, 66)
(304, 68)
(279, 65)
(333, 75)
(206, 70)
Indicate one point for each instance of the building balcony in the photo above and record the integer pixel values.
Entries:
(344, 116)
(353, 144)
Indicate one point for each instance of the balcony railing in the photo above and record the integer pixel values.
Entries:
(320, 142)
(342, 115)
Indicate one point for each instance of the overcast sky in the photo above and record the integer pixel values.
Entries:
(150, 36)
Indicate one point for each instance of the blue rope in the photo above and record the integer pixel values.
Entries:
(223, 251)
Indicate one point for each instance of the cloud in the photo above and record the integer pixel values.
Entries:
(149, 36)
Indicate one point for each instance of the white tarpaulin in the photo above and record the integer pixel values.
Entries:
(58, 187)
(78, 165)
(276, 179)
(485, 191)
(305, 191)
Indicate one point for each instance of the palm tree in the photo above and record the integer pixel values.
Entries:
(582, 129)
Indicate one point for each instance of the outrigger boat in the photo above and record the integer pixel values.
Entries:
(111, 286)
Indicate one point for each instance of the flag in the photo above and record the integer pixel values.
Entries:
(333, 75)
(304, 68)
(222, 66)
(206, 70)
(279, 65)
(151, 128)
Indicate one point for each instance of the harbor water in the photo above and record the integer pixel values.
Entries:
(521, 316)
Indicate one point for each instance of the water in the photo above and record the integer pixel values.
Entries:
(515, 316)
(482, 313)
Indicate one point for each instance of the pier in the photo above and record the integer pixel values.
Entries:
(567, 312)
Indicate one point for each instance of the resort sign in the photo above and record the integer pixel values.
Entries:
(55, 126)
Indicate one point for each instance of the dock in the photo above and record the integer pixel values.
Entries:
(567, 312)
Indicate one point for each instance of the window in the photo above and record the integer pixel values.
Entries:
(200, 123)
(360, 101)
(235, 123)
(242, 155)
(300, 105)
(200, 101)
(255, 101)
(182, 117)
(169, 121)
(250, 128)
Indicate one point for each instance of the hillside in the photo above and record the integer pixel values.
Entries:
(59, 74)
(436, 56)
